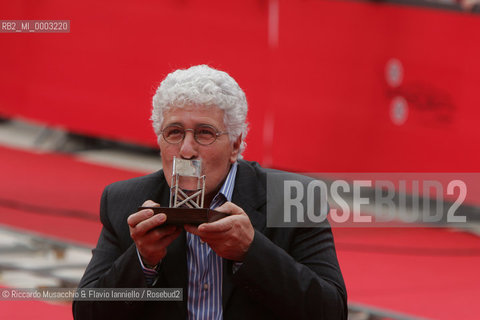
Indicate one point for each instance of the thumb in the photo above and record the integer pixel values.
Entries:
(230, 208)
(150, 203)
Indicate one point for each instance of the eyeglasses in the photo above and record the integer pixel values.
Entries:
(203, 134)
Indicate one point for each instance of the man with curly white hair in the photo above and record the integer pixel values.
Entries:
(232, 268)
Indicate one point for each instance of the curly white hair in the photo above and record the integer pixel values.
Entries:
(203, 86)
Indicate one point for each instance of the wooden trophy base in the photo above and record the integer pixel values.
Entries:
(181, 216)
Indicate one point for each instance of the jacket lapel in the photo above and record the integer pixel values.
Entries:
(249, 194)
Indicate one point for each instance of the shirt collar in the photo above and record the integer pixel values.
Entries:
(227, 187)
(226, 191)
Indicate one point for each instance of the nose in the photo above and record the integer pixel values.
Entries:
(189, 147)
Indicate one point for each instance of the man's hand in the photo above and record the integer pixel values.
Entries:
(151, 241)
(229, 237)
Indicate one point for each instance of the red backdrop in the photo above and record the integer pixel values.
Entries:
(316, 75)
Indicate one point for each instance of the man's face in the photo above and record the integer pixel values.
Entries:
(216, 157)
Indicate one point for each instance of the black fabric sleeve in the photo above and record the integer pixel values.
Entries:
(303, 283)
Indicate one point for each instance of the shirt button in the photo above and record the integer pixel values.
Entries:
(205, 286)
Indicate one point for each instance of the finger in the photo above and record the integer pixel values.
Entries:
(163, 231)
(150, 223)
(222, 225)
(205, 237)
(194, 230)
(161, 241)
(138, 217)
(159, 247)
(150, 203)
(230, 208)
(156, 236)
(190, 228)
(168, 239)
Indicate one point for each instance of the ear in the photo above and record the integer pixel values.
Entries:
(235, 149)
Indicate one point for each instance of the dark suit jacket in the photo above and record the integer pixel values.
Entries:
(289, 273)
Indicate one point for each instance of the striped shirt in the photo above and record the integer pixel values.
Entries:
(205, 267)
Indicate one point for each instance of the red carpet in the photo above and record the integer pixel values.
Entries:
(53, 194)
(423, 272)
(27, 310)
(431, 273)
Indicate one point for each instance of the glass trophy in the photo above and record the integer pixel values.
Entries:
(187, 195)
